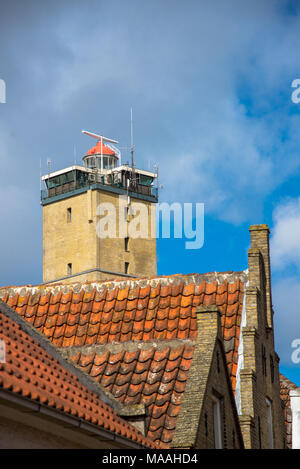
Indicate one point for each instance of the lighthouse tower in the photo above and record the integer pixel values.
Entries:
(99, 218)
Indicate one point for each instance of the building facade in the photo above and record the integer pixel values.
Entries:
(138, 339)
(258, 396)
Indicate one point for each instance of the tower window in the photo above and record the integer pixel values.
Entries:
(125, 213)
(264, 360)
(126, 267)
(126, 240)
(69, 215)
(70, 269)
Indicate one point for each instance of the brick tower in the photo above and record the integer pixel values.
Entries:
(77, 243)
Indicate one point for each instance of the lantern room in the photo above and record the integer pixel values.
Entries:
(101, 156)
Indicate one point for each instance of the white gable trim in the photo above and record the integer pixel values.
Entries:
(240, 366)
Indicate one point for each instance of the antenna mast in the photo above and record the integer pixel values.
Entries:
(49, 166)
(133, 179)
(40, 174)
(75, 155)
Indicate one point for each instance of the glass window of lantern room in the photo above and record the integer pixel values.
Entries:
(105, 162)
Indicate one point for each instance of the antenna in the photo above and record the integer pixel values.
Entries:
(105, 139)
(75, 158)
(40, 174)
(158, 186)
(99, 137)
(131, 129)
(49, 170)
(49, 166)
(133, 180)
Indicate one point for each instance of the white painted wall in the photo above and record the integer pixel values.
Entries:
(295, 407)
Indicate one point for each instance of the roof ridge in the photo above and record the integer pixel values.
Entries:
(128, 346)
(284, 380)
(105, 396)
(174, 279)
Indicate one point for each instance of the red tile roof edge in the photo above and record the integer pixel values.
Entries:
(286, 382)
(68, 364)
(286, 385)
(13, 393)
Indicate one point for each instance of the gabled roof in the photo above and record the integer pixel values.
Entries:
(153, 373)
(34, 370)
(136, 337)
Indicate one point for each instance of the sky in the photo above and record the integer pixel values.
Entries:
(210, 84)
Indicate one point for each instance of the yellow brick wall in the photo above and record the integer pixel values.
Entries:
(219, 386)
(77, 242)
(207, 378)
(256, 385)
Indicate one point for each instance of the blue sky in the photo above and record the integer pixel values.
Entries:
(210, 86)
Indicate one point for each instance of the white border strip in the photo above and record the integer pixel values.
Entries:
(240, 366)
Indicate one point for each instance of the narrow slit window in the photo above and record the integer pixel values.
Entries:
(126, 241)
(272, 367)
(70, 269)
(270, 424)
(69, 215)
(126, 267)
(218, 423)
(259, 433)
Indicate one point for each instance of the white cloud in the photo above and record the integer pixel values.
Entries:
(286, 301)
(209, 84)
(285, 254)
(185, 70)
(285, 241)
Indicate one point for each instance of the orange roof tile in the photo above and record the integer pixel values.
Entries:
(285, 386)
(31, 371)
(155, 377)
(157, 311)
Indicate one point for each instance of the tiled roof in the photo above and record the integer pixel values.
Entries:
(32, 372)
(285, 386)
(155, 375)
(158, 311)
